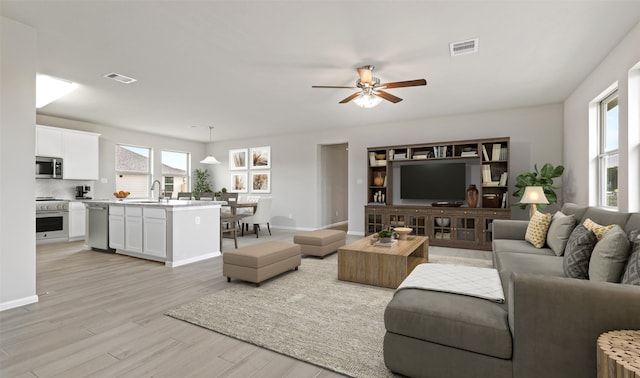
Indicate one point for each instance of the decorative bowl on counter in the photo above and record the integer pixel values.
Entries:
(121, 194)
(443, 222)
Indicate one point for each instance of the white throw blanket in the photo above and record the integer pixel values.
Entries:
(458, 279)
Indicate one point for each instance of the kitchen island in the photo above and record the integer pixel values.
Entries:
(176, 232)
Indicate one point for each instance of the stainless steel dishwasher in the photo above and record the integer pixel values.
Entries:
(98, 227)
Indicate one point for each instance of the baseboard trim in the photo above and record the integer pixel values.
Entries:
(173, 264)
(18, 302)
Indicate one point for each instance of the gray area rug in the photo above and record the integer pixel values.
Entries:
(307, 314)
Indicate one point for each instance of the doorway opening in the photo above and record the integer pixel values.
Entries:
(334, 185)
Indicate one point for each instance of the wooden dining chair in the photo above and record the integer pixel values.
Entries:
(206, 196)
(185, 195)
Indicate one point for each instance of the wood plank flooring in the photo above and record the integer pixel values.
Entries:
(101, 315)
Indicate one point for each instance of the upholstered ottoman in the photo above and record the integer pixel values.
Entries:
(320, 242)
(259, 262)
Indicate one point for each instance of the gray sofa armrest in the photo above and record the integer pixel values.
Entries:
(556, 322)
(509, 229)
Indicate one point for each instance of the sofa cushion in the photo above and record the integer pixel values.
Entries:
(537, 229)
(597, 229)
(529, 263)
(575, 210)
(633, 223)
(519, 246)
(609, 256)
(559, 231)
(631, 274)
(458, 321)
(578, 252)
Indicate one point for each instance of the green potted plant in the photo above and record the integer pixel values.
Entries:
(544, 178)
(201, 182)
(386, 236)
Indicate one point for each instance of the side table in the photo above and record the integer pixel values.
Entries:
(619, 354)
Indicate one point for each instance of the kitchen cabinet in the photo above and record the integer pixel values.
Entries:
(77, 220)
(154, 229)
(116, 227)
(48, 141)
(133, 229)
(78, 149)
(81, 156)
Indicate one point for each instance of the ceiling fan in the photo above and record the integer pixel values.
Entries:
(371, 91)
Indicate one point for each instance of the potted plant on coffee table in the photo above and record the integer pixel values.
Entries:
(386, 236)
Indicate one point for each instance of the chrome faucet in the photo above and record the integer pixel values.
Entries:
(159, 185)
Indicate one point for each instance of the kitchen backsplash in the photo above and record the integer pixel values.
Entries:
(61, 189)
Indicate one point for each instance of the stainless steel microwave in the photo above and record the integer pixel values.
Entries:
(48, 167)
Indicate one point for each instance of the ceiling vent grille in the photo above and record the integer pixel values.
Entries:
(463, 47)
(120, 78)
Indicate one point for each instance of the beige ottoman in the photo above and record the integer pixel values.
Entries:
(259, 262)
(320, 242)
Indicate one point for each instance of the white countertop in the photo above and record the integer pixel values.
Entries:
(154, 203)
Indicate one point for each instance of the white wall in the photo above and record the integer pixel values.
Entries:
(17, 137)
(614, 68)
(536, 137)
(110, 136)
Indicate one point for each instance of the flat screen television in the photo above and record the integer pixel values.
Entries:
(433, 181)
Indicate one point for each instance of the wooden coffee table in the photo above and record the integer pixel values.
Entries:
(365, 263)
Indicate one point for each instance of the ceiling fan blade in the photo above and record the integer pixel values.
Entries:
(350, 98)
(388, 96)
(333, 86)
(366, 76)
(409, 83)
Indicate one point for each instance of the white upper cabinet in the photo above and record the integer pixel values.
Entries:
(78, 149)
(48, 141)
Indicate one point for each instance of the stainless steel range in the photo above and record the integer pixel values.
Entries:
(52, 220)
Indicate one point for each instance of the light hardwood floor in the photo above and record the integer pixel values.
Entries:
(101, 315)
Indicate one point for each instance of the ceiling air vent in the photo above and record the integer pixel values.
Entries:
(120, 78)
(463, 47)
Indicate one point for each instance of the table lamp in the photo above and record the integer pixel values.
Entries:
(533, 195)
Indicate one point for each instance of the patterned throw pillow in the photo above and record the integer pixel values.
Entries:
(578, 251)
(631, 274)
(609, 256)
(537, 229)
(597, 229)
(559, 232)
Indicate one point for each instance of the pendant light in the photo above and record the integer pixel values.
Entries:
(210, 159)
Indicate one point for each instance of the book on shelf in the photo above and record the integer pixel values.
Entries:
(491, 183)
(503, 153)
(504, 201)
(484, 153)
(468, 153)
(495, 155)
(503, 178)
(398, 156)
(486, 173)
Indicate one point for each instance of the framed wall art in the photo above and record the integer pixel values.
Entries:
(238, 182)
(261, 157)
(260, 182)
(238, 159)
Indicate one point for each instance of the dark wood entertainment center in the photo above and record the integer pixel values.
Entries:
(487, 166)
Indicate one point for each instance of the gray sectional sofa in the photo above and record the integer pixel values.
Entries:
(547, 327)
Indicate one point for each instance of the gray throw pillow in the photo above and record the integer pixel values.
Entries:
(559, 232)
(631, 274)
(609, 256)
(578, 251)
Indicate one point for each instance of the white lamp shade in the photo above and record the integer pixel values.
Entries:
(209, 160)
(534, 194)
(367, 100)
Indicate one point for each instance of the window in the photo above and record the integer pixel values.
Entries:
(133, 172)
(175, 172)
(608, 154)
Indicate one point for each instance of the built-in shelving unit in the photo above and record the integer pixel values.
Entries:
(463, 226)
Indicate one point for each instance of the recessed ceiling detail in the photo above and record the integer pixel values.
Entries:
(120, 78)
(463, 47)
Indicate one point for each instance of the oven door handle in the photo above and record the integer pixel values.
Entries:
(97, 207)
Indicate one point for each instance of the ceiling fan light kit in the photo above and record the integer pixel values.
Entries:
(371, 93)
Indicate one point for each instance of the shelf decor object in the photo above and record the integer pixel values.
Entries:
(472, 196)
